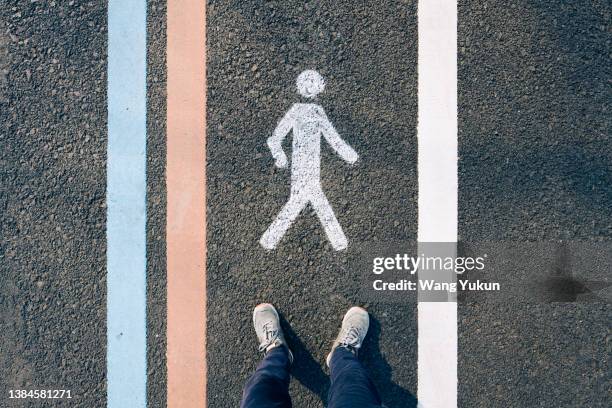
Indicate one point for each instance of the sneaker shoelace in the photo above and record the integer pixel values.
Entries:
(351, 338)
(271, 336)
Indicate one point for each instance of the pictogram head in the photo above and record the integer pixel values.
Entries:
(310, 83)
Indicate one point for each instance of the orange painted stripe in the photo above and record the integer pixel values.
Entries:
(186, 189)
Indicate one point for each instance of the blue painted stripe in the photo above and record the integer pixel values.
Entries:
(126, 200)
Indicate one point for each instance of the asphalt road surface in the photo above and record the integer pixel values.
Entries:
(535, 154)
(52, 166)
(535, 165)
(367, 53)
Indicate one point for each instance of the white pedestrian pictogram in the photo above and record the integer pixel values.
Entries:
(308, 122)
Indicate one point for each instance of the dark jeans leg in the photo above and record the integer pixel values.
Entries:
(351, 386)
(268, 387)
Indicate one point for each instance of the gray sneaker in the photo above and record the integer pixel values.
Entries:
(354, 329)
(268, 329)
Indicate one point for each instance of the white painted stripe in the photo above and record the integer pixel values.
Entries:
(437, 137)
(126, 201)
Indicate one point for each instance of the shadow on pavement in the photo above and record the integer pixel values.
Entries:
(393, 395)
(309, 373)
(305, 368)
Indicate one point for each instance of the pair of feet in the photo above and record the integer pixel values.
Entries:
(270, 334)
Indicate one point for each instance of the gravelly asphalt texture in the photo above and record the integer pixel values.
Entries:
(156, 203)
(535, 165)
(367, 53)
(52, 166)
(535, 160)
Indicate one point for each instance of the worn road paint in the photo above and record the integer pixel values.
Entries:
(186, 194)
(307, 122)
(437, 137)
(126, 205)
